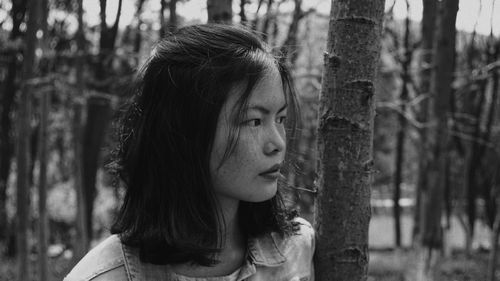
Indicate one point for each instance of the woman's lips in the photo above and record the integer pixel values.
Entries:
(272, 173)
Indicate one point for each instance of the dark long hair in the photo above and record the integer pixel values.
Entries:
(166, 134)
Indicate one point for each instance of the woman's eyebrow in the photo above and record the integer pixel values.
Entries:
(265, 110)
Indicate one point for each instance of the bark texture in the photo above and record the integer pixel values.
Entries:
(345, 136)
(220, 11)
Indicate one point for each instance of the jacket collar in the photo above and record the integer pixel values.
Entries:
(262, 251)
(265, 251)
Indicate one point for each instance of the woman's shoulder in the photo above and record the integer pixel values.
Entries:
(305, 227)
(293, 253)
(103, 262)
(302, 239)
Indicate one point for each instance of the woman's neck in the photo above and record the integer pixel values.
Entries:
(233, 249)
(233, 237)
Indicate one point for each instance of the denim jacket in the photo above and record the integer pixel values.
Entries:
(269, 258)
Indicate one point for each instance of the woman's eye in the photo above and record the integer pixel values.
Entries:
(254, 122)
(281, 119)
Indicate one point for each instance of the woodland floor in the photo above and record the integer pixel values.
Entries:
(396, 266)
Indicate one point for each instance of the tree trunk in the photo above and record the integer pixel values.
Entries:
(243, 16)
(6, 144)
(428, 27)
(290, 48)
(94, 134)
(495, 233)
(18, 11)
(345, 136)
(99, 114)
(42, 188)
(442, 78)
(256, 19)
(23, 151)
(102, 39)
(107, 42)
(220, 11)
(172, 21)
(401, 136)
(163, 5)
(138, 35)
(486, 191)
(473, 158)
(82, 239)
(267, 20)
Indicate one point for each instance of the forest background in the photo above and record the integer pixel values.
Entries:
(85, 55)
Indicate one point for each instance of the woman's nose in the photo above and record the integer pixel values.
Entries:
(275, 141)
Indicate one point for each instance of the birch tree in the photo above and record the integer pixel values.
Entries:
(345, 136)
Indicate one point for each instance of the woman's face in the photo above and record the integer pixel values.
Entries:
(251, 171)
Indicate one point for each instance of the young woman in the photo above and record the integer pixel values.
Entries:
(201, 148)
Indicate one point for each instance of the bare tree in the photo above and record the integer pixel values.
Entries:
(83, 239)
(93, 132)
(82, 243)
(43, 228)
(172, 21)
(42, 187)
(290, 48)
(7, 99)
(401, 136)
(267, 20)
(243, 16)
(163, 6)
(220, 11)
(107, 41)
(256, 20)
(138, 35)
(440, 88)
(427, 29)
(345, 136)
(23, 151)
(98, 117)
(493, 260)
